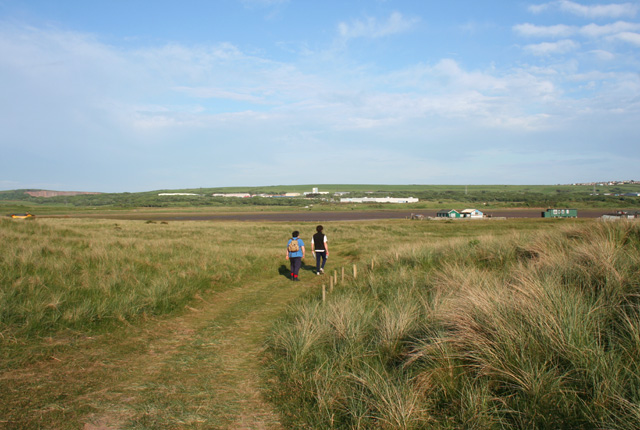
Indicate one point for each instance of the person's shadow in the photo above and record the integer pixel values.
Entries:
(285, 270)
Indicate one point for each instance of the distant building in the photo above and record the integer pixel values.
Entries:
(379, 200)
(617, 215)
(316, 192)
(560, 213)
(240, 195)
(471, 213)
(178, 194)
(448, 213)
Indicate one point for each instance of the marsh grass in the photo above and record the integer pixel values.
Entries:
(532, 329)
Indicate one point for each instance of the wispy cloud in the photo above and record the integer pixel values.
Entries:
(614, 10)
(532, 30)
(551, 48)
(561, 30)
(372, 28)
(595, 30)
(633, 38)
(218, 93)
(599, 11)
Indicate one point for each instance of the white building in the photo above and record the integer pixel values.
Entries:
(242, 195)
(178, 194)
(379, 200)
(471, 213)
(316, 191)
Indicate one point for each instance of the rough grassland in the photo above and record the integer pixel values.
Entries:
(136, 325)
(525, 331)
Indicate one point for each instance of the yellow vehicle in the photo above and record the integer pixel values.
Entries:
(22, 216)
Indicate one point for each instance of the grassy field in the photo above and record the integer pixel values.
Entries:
(135, 324)
(508, 331)
(194, 324)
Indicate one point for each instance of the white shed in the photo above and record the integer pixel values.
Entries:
(471, 213)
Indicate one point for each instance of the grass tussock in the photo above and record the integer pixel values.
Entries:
(532, 330)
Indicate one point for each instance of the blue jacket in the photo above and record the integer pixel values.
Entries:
(298, 253)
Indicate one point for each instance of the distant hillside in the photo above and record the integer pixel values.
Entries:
(610, 195)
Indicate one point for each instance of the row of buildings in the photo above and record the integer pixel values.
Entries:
(452, 213)
(549, 213)
(475, 213)
(379, 200)
(313, 193)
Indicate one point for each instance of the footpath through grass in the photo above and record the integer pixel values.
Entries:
(135, 325)
(199, 370)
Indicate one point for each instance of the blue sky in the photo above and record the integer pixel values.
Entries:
(137, 95)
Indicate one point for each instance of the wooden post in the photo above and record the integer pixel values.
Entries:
(324, 293)
(373, 262)
(331, 284)
(342, 274)
(355, 272)
(335, 277)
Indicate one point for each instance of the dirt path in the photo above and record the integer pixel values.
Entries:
(198, 370)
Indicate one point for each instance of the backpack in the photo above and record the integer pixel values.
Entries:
(293, 245)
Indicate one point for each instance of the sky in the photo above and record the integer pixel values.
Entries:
(141, 95)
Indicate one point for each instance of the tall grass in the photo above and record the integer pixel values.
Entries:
(531, 330)
(84, 275)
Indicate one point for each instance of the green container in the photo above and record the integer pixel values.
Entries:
(560, 213)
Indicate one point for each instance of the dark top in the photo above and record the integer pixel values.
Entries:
(318, 241)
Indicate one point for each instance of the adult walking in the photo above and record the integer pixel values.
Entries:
(295, 254)
(320, 249)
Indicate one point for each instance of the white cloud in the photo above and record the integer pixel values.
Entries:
(213, 93)
(538, 8)
(623, 31)
(532, 30)
(551, 48)
(603, 55)
(599, 11)
(633, 38)
(594, 30)
(613, 10)
(372, 28)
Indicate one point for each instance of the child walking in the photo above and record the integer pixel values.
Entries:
(295, 254)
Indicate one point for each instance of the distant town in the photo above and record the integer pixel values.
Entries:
(609, 183)
(314, 193)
